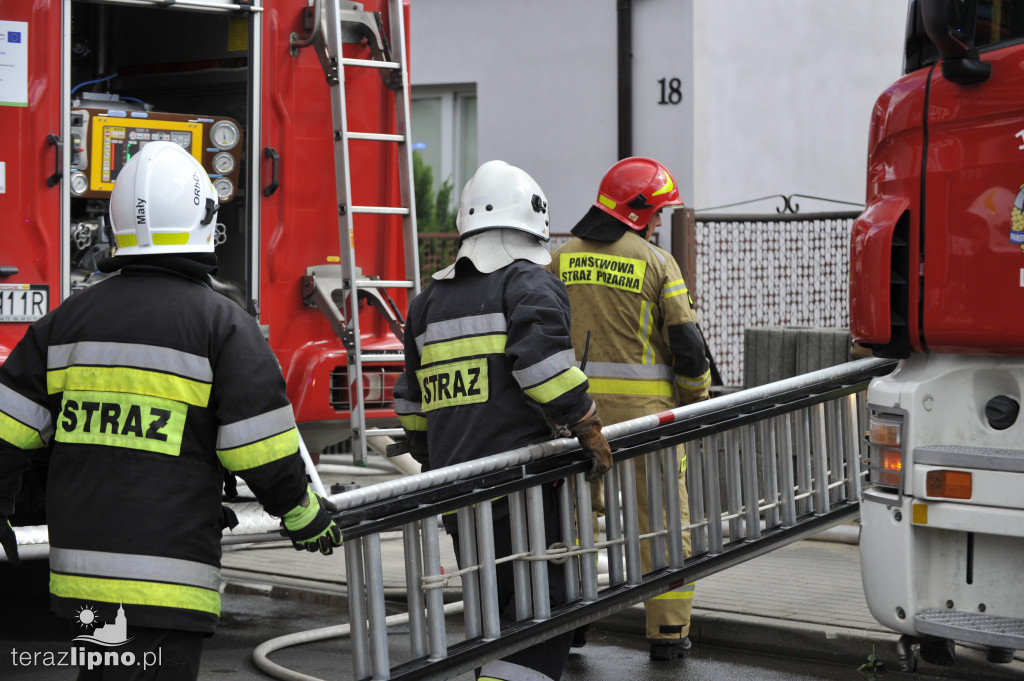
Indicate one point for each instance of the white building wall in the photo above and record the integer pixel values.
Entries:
(776, 94)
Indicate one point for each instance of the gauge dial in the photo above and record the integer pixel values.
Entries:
(79, 183)
(224, 187)
(223, 163)
(224, 135)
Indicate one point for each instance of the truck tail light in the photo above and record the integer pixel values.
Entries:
(885, 440)
(948, 484)
(378, 387)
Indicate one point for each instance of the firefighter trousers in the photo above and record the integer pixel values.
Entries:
(668, 614)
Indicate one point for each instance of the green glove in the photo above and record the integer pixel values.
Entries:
(310, 525)
(9, 541)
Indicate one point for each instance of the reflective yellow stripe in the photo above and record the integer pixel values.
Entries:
(18, 434)
(463, 347)
(698, 383)
(606, 201)
(682, 464)
(665, 188)
(413, 422)
(170, 239)
(557, 386)
(613, 386)
(126, 240)
(259, 453)
(125, 380)
(675, 288)
(643, 332)
(135, 592)
(150, 424)
(303, 514)
(682, 593)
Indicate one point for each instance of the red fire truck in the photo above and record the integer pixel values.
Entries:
(299, 112)
(937, 280)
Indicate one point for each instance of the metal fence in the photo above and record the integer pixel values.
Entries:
(769, 270)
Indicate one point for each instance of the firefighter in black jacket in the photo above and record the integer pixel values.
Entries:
(145, 387)
(490, 367)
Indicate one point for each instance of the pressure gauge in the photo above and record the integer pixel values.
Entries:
(224, 135)
(224, 187)
(223, 163)
(79, 183)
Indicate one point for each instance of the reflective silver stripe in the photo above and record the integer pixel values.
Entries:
(24, 410)
(152, 357)
(135, 567)
(645, 332)
(678, 288)
(509, 671)
(546, 368)
(256, 428)
(407, 407)
(627, 370)
(655, 251)
(475, 325)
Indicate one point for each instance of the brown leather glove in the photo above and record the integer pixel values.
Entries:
(588, 432)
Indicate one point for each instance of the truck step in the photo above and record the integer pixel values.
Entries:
(972, 627)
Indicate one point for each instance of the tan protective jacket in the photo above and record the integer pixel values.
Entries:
(646, 352)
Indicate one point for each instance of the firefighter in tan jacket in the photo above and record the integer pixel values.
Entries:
(646, 353)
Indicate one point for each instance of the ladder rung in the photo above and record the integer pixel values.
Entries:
(375, 359)
(371, 63)
(376, 136)
(380, 210)
(385, 432)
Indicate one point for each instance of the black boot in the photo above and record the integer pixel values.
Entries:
(668, 649)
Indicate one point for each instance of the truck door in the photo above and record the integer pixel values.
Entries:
(973, 224)
(31, 160)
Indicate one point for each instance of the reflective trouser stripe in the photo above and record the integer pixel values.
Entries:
(682, 592)
(134, 567)
(500, 670)
(132, 592)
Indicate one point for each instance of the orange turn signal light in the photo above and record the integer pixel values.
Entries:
(948, 484)
(890, 462)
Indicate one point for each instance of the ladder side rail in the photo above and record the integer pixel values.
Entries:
(520, 544)
(655, 483)
(357, 612)
(833, 420)
(751, 498)
(586, 528)
(489, 608)
(472, 618)
(403, 123)
(770, 470)
(630, 522)
(437, 638)
(376, 612)
(673, 512)
(415, 596)
(695, 492)
(343, 187)
(570, 539)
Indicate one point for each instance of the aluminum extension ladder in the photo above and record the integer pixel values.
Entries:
(336, 22)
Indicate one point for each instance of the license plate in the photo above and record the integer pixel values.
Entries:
(23, 302)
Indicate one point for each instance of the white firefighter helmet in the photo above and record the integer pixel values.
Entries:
(163, 202)
(502, 196)
(503, 217)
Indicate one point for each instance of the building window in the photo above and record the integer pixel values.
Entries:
(444, 132)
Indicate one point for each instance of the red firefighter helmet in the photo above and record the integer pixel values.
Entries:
(635, 188)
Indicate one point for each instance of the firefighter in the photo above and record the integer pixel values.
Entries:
(490, 367)
(646, 352)
(145, 388)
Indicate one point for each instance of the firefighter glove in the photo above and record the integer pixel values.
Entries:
(9, 541)
(588, 432)
(310, 525)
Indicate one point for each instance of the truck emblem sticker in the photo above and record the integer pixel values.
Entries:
(1017, 220)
